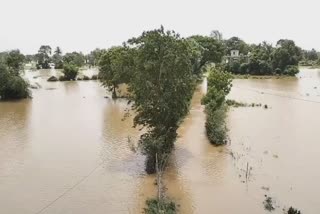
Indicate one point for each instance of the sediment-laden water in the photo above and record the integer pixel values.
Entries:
(67, 151)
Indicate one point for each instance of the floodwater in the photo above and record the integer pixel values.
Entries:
(67, 151)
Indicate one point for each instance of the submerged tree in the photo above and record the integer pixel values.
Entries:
(12, 85)
(286, 57)
(57, 58)
(161, 88)
(116, 67)
(70, 71)
(15, 61)
(74, 58)
(43, 57)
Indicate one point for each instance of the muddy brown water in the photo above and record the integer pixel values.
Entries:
(67, 151)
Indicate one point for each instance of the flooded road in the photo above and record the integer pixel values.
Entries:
(67, 151)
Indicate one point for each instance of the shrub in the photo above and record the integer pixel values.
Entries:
(216, 126)
(12, 86)
(219, 85)
(291, 70)
(70, 71)
(155, 206)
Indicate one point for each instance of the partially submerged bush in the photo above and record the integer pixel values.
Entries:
(219, 85)
(70, 71)
(291, 70)
(12, 85)
(155, 206)
(216, 126)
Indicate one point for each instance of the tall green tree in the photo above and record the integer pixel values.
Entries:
(94, 56)
(12, 85)
(43, 57)
(211, 51)
(116, 67)
(57, 58)
(235, 43)
(217, 35)
(15, 61)
(75, 58)
(286, 56)
(162, 87)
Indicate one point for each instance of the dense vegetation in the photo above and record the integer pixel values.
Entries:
(116, 67)
(219, 85)
(310, 58)
(12, 85)
(264, 59)
(70, 71)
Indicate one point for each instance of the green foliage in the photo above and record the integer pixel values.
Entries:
(311, 55)
(211, 51)
(235, 43)
(216, 126)
(74, 58)
(161, 87)
(57, 58)
(286, 54)
(12, 85)
(265, 59)
(70, 71)
(155, 206)
(94, 56)
(43, 57)
(116, 67)
(15, 61)
(291, 70)
(219, 85)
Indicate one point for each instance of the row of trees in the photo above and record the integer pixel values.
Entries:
(264, 59)
(310, 58)
(44, 57)
(161, 70)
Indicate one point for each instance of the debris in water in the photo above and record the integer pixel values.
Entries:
(265, 106)
(265, 188)
(275, 156)
(265, 152)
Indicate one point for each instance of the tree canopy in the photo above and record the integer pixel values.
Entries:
(74, 58)
(12, 85)
(161, 88)
(43, 57)
(116, 67)
(210, 50)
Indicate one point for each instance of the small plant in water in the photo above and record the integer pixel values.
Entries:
(268, 204)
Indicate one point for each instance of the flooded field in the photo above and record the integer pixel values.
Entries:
(67, 151)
